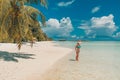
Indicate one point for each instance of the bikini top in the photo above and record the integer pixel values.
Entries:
(79, 46)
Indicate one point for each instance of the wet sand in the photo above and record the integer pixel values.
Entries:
(94, 64)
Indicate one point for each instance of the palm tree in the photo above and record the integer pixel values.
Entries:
(18, 21)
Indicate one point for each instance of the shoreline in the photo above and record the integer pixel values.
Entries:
(29, 63)
(52, 61)
(55, 71)
(99, 62)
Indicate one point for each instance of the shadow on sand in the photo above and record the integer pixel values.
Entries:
(72, 60)
(7, 56)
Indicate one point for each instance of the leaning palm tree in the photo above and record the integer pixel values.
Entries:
(18, 21)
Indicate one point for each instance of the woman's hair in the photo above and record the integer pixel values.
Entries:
(79, 42)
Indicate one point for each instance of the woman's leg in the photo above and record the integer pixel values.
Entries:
(77, 55)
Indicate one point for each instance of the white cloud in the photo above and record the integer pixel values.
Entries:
(65, 4)
(56, 28)
(77, 37)
(117, 35)
(73, 36)
(53, 23)
(104, 25)
(84, 24)
(100, 26)
(95, 9)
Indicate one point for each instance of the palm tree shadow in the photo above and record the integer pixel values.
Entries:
(7, 56)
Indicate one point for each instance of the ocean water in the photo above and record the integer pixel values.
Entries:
(91, 44)
(98, 60)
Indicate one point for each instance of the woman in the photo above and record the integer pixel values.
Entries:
(77, 49)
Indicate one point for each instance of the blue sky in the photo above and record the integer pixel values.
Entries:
(82, 19)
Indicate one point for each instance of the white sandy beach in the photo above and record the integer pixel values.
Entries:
(97, 61)
(29, 63)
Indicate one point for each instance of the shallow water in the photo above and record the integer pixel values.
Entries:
(97, 61)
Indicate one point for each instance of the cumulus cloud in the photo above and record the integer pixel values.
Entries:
(65, 4)
(117, 36)
(95, 9)
(58, 28)
(100, 26)
(53, 23)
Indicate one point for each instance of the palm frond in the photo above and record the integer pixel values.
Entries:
(43, 2)
(30, 10)
(17, 21)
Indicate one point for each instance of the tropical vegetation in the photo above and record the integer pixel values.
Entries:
(19, 22)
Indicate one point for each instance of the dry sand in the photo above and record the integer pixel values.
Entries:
(29, 63)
